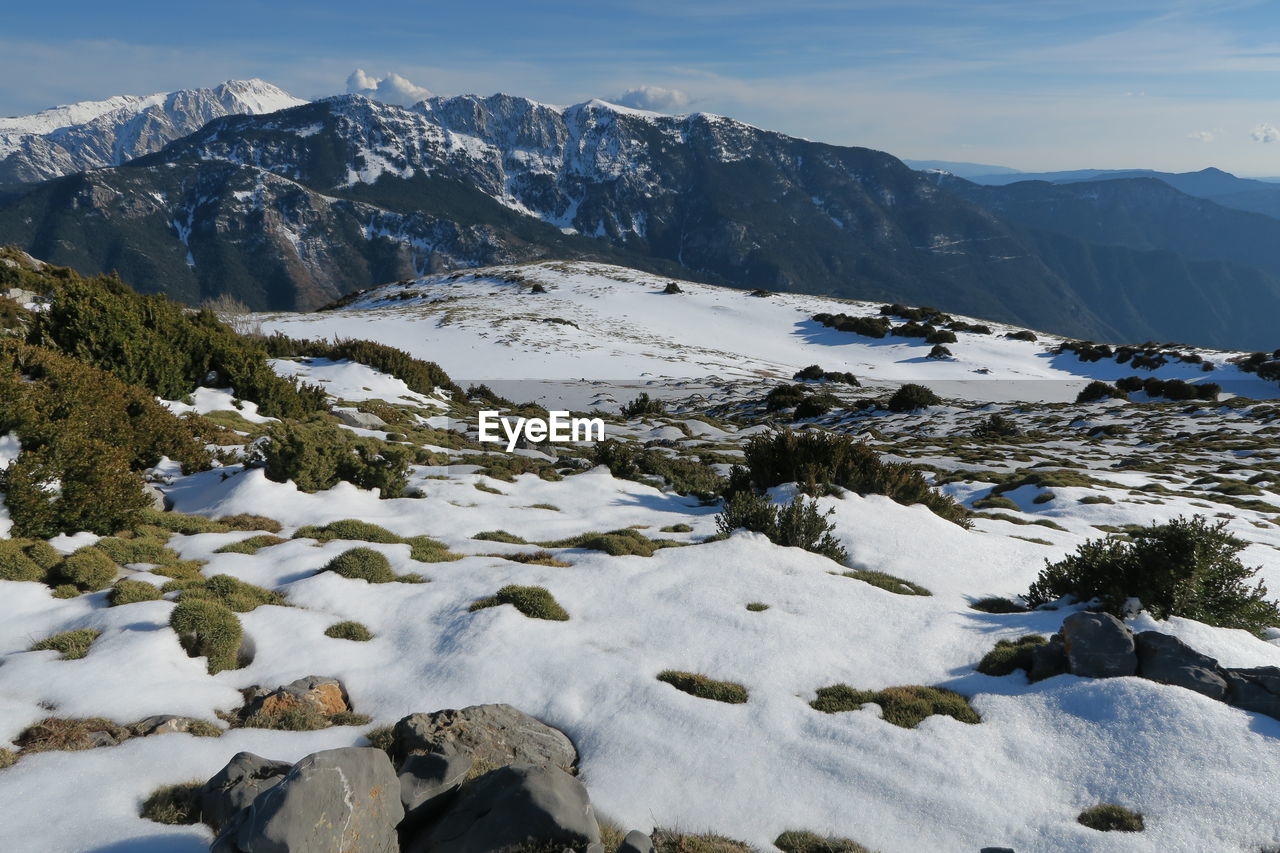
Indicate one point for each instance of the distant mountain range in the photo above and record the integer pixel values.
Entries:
(293, 208)
(93, 134)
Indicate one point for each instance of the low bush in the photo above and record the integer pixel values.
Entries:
(902, 706)
(247, 521)
(871, 327)
(210, 630)
(174, 804)
(88, 568)
(996, 426)
(816, 406)
(353, 631)
(703, 687)
(1187, 568)
(624, 542)
(627, 461)
(137, 549)
(132, 592)
(350, 529)
(642, 406)
(421, 376)
(757, 606)
(362, 564)
(996, 604)
(798, 524)
(230, 592)
(1109, 817)
(784, 397)
(1010, 655)
(1096, 391)
(912, 397)
(252, 545)
(72, 644)
(16, 563)
(533, 601)
(822, 462)
(317, 455)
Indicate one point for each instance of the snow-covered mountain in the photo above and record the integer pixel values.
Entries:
(92, 134)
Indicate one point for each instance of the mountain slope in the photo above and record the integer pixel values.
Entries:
(467, 181)
(93, 134)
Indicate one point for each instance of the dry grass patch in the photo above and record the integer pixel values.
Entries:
(903, 706)
(703, 687)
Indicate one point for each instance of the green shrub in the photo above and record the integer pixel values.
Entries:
(996, 502)
(887, 582)
(98, 493)
(500, 536)
(703, 687)
(208, 629)
(420, 376)
(1096, 499)
(16, 564)
(798, 524)
(624, 542)
(1009, 655)
(138, 549)
(231, 593)
(1187, 568)
(643, 405)
(351, 529)
(686, 476)
(996, 426)
(677, 528)
(72, 644)
(132, 592)
(784, 397)
(757, 606)
(317, 455)
(1109, 817)
(248, 521)
(533, 601)
(911, 397)
(1096, 390)
(822, 462)
(174, 804)
(816, 406)
(902, 706)
(362, 564)
(252, 545)
(89, 569)
(353, 631)
(65, 590)
(996, 604)
(798, 841)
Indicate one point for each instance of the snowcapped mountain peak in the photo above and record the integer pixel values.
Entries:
(92, 134)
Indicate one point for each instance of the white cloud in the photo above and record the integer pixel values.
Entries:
(1203, 135)
(1265, 133)
(392, 89)
(655, 98)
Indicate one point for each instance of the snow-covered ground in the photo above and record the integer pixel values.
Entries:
(1199, 770)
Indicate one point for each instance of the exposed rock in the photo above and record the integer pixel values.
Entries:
(1048, 659)
(672, 288)
(336, 801)
(162, 724)
(1098, 645)
(429, 781)
(361, 420)
(1167, 659)
(159, 500)
(514, 805)
(494, 736)
(325, 695)
(235, 786)
(636, 842)
(1256, 689)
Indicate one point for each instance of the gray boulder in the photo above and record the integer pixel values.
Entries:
(1048, 659)
(235, 786)
(511, 806)
(361, 420)
(1167, 659)
(636, 842)
(336, 801)
(1098, 645)
(429, 781)
(313, 692)
(159, 500)
(1256, 689)
(493, 735)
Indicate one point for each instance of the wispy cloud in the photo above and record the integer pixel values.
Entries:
(392, 89)
(656, 98)
(1265, 133)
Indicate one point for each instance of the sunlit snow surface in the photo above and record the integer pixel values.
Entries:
(1200, 771)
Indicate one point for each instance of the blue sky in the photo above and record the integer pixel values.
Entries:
(1037, 84)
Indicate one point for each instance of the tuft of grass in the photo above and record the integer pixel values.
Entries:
(252, 545)
(887, 582)
(8, 758)
(17, 563)
(802, 841)
(616, 543)
(208, 629)
(677, 528)
(362, 564)
(177, 522)
(72, 644)
(757, 606)
(1109, 817)
(997, 604)
(65, 590)
(295, 719)
(551, 507)
(349, 718)
(353, 631)
(132, 592)
(246, 521)
(174, 804)
(382, 738)
(533, 601)
(534, 558)
(231, 593)
(348, 528)
(903, 706)
(204, 728)
(482, 487)
(89, 569)
(674, 841)
(138, 549)
(1010, 655)
(424, 549)
(62, 734)
(1096, 499)
(500, 536)
(703, 687)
